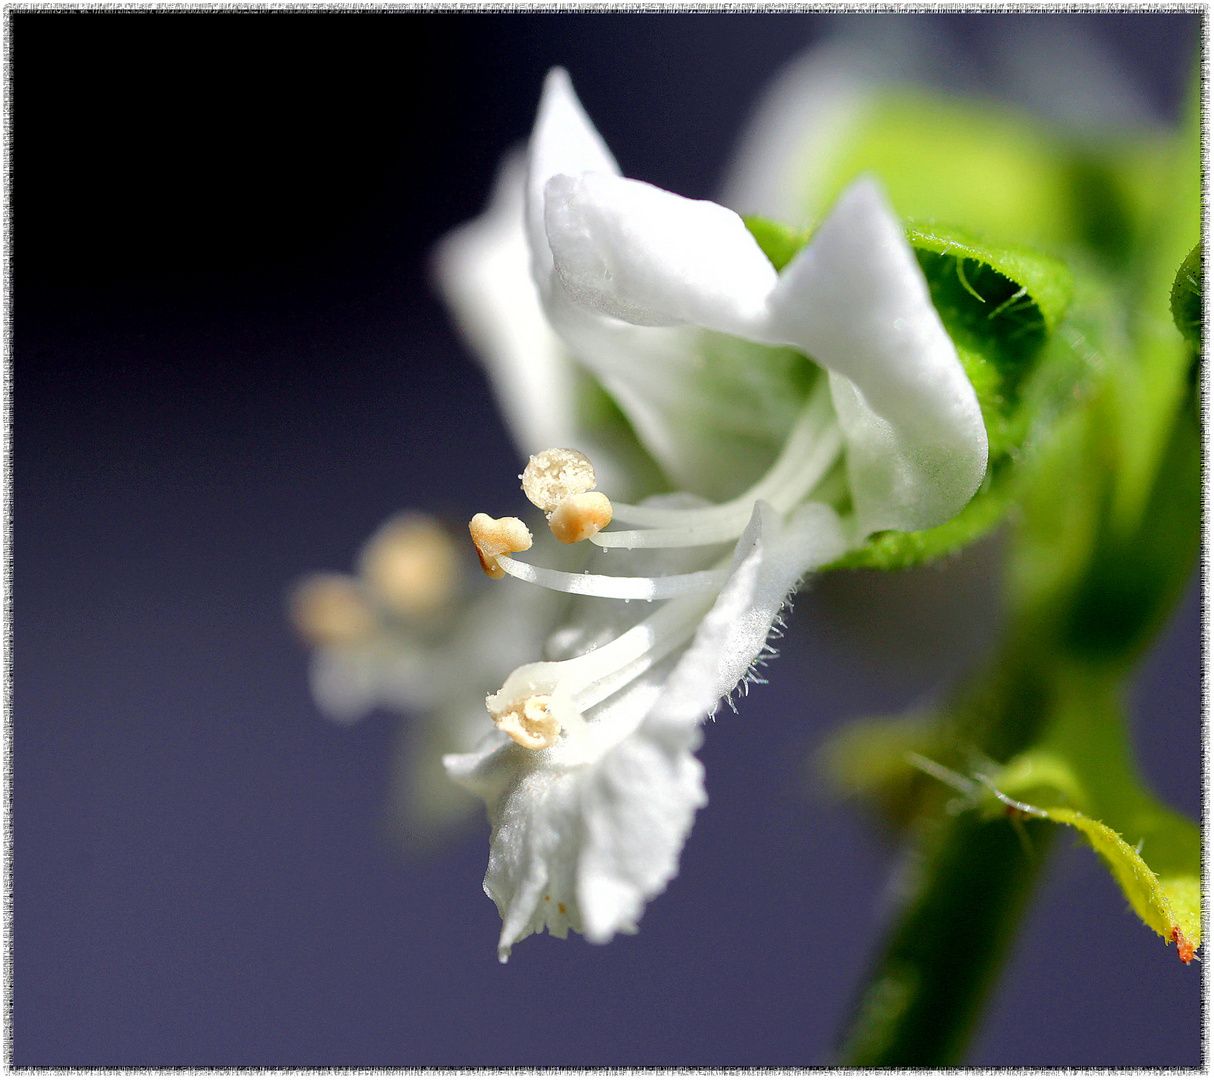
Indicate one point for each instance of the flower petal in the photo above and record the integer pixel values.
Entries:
(483, 269)
(622, 867)
(635, 252)
(563, 140)
(856, 301)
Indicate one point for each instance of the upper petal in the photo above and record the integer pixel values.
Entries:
(856, 301)
(484, 271)
(563, 140)
(635, 252)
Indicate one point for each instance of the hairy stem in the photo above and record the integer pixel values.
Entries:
(926, 993)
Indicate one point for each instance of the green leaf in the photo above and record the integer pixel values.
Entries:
(1002, 306)
(1166, 892)
(1001, 173)
(1187, 295)
(999, 305)
(1044, 279)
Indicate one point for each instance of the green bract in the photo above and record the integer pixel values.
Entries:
(1153, 852)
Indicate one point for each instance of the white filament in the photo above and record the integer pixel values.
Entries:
(618, 588)
(596, 675)
(813, 446)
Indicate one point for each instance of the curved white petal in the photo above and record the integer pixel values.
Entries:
(635, 252)
(484, 271)
(563, 140)
(584, 844)
(856, 301)
(671, 392)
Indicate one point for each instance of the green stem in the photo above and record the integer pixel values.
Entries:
(923, 999)
(972, 881)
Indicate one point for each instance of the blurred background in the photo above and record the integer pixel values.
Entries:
(229, 368)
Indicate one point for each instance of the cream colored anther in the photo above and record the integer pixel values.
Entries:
(529, 722)
(579, 517)
(559, 482)
(497, 536)
(551, 476)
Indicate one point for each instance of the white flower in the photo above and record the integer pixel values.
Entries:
(589, 777)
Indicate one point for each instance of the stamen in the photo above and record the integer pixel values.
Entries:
(579, 517)
(551, 476)
(496, 536)
(330, 609)
(618, 588)
(559, 482)
(410, 565)
(564, 689)
(543, 703)
(532, 708)
(610, 667)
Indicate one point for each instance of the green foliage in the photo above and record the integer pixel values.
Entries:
(1004, 175)
(1001, 305)
(1187, 298)
(1160, 875)
(1090, 401)
(778, 242)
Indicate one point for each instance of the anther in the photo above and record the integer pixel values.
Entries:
(410, 565)
(497, 536)
(551, 476)
(530, 722)
(330, 609)
(579, 517)
(559, 482)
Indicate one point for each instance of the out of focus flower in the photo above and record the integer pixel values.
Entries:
(411, 634)
(672, 307)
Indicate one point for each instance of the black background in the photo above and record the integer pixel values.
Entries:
(229, 366)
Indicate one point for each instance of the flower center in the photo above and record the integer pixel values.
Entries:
(542, 702)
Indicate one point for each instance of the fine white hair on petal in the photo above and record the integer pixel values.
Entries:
(771, 558)
(621, 867)
(563, 140)
(635, 252)
(484, 271)
(856, 301)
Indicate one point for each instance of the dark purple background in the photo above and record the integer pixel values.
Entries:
(229, 369)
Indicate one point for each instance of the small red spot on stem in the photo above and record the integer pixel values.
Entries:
(1184, 947)
(561, 909)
